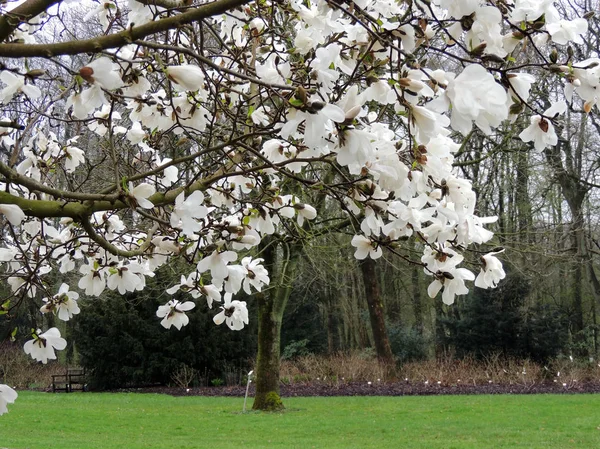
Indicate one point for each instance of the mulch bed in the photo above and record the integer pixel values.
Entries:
(379, 389)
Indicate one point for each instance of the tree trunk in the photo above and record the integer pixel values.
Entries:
(440, 332)
(417, 301)
(271, 306)
(267, 361)
(373, 295)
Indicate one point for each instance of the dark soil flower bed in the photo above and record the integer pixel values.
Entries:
(381, 389)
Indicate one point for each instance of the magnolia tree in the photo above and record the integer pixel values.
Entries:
(194, 130)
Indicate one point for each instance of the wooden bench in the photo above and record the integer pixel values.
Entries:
(73, 380)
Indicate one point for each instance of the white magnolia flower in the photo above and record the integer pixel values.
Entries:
(305, 212)
(541, 130)
(7, 396)
(85, 102)
(173, 313)
(256, 274)
(491, 273)
(458, 9)
(73, 158)
(42, 347)
(15, 84)
(259, 116)
(364, 247)
(236, 274)
(316, 124)
(186, 77)
(140, 13)
(530, 10)
(453, 282)
(104, 73)
(64, 303)
(93, 280)
(188, 211)
(565, 31)
(520, 84)
(136, 134)
(212, 293)
(141, 193)
(13, 213)
(170, 173)
(217, 264)
(125, 278)
(476, 96)
(233, 313)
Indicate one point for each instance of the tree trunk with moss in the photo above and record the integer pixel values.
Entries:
(271, 306)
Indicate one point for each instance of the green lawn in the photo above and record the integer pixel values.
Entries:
(130, 421)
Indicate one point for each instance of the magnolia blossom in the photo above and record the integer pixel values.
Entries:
(565, 31)
(104, 73)
(173, 313)
(305, 212)
(315, 123)
(7, 396)
(93, 281)
(64, 303)
(186, 77)
(212, 294)
(476, 96)
(188, 211)
(541, 130)
(15, 84)
(42, 347)
(491, 273)
(125, 278)
(85, 102)
(73, 158)
(233, 313)
(365, 247)
(453, 282)
(13, 213)
(140, 194)
(256, 276)
(217, 263)
(259, 116)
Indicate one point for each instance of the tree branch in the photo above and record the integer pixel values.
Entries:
(10, 20)
(91, 232)
(125, 37)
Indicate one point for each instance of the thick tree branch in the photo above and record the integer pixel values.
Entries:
(167, 4)
(125, 37)
(81, 209)
(91, 232)
(34, 186)
(10, 20)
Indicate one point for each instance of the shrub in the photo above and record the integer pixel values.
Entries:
(295, 349)
(121, 343)
(407, 344)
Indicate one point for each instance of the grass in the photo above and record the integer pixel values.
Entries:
(131, 421)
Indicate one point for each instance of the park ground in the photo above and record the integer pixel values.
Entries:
(132, 421)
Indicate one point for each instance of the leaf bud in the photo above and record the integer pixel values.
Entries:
(301, 94)
(478, 51)
(315, 106)
(35, 73)
(516, 108)
(467, 22)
